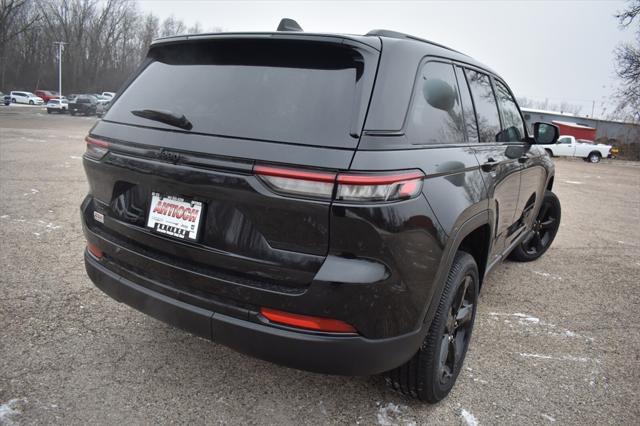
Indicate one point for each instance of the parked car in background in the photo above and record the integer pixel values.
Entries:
(101, 99)
(47, 95)
(20, 97)
(109, 95)
(351, 241)
(57, 105)
(6, 99)
(102, 109)
(83, 104)
(568, 146)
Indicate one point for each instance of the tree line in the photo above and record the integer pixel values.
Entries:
(106, 41)
(627, 61)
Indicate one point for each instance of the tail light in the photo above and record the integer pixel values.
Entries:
(307, 322)
(297, 182)
(390, 186)
(96, 148)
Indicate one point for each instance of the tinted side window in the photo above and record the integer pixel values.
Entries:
(467, 107)
(436, 114)
(486, 108)
(513, 130)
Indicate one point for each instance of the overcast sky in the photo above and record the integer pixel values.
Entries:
(556, 50)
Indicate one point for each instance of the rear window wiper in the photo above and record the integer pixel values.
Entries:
(164, 116)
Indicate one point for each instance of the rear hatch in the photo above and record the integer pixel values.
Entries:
(189, 130)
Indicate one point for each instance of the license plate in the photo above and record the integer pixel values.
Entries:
(175, 216)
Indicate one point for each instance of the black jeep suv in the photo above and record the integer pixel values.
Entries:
(326, 202)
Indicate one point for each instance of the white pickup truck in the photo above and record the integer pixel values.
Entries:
(568, 146)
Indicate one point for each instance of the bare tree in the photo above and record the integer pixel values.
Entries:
(106, 39)
(15, 19)
(627, 58)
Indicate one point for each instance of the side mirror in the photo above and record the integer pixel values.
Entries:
(545, 133)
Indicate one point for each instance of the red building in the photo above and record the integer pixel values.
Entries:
(576, 130)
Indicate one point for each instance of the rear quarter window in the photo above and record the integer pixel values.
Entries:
(435, 116)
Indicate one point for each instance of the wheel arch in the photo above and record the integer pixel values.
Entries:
(550, 183)
(477, 243)
(472, 236)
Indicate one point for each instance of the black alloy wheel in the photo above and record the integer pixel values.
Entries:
(457, 331)
(543, 231)
(433, 370)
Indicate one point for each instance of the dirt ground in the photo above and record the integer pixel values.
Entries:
(556, 340)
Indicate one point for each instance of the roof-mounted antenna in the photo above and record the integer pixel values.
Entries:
(287, 24)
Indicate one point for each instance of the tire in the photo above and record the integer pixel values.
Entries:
(73, 112)
(543, 233)
(549, 152)
(424, 376)
(48, 111)
(594, 157)
(13, 100)
(30, 102)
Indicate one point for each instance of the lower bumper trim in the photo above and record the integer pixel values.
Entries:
(330, 354)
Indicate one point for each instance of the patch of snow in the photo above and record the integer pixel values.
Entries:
(573, 182)
(548, 275)
(11, 409)
(546, 416)
(531, 321)
(562, 358)
(75, 157)
(387, 414)
(527, 318)
(469, 418)
(4, 216)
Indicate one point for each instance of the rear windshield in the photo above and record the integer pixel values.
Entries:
(276, 90)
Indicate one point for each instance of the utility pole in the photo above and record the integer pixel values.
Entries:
(60, 45)
(593, 107)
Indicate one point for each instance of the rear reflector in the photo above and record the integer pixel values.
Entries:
(359, 187)
(307, 322)
(95, 251)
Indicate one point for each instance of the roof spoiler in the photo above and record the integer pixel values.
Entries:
(287, 24)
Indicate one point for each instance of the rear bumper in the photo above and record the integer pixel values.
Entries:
(252, 335)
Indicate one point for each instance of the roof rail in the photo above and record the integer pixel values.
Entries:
(399, 35)
(288, 24)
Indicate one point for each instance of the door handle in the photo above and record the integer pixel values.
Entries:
(489, 165)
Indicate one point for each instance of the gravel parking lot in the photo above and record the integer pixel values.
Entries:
(555, 340)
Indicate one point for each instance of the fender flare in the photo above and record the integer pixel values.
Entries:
(448, 254)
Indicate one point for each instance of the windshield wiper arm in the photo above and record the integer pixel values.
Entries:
(164, 116)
